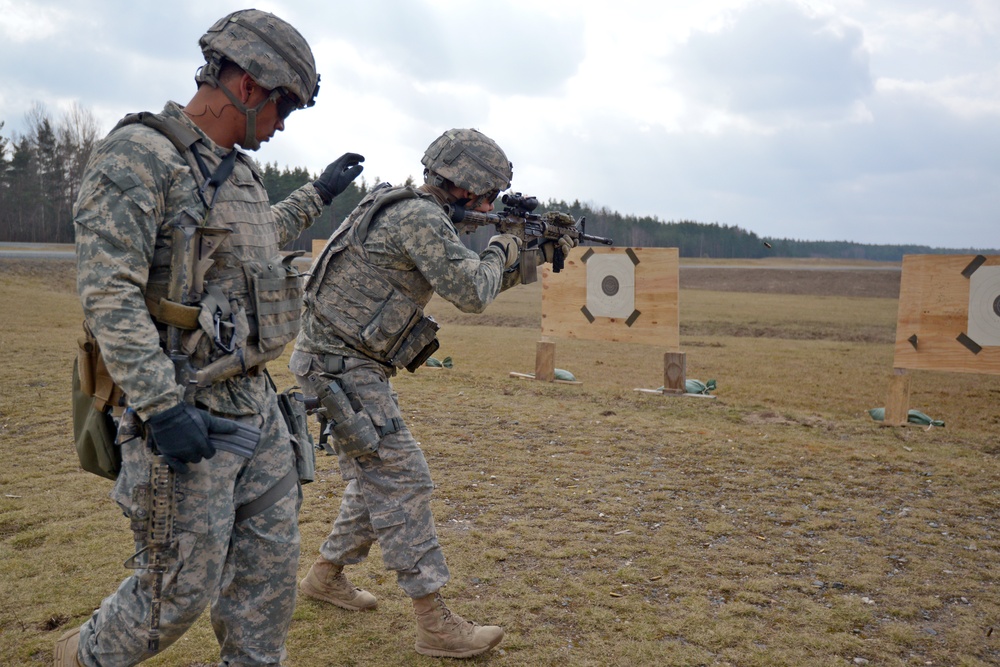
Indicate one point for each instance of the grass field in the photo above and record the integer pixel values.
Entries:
(777, 525)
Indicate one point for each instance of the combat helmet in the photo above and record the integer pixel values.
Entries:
(470, 160)
(267, 48)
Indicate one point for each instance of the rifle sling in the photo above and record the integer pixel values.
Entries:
(184, 140)
(268, 498)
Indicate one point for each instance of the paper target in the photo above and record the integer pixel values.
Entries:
(616, 294)
(984, 306)
(610, 286)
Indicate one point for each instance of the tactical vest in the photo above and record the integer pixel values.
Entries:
(252, 296)
(377, 311)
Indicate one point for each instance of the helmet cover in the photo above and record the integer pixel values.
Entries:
(267, 48)
(470, 160)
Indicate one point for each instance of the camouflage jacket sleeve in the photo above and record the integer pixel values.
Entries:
(117, 216)
(297, 212)
(426, 236)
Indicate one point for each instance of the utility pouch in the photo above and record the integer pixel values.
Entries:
(418, 346)
(293, 408)
(385, 334)
(277, 293)
(94, 397)
(94, 431)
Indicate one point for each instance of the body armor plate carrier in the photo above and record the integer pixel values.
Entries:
(368, 311)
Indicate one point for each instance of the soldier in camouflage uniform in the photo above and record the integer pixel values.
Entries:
(363, 321)
(234, 539)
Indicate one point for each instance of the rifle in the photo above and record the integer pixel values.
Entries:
(190, 258)
(518, 218)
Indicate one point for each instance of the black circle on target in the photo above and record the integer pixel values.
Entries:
(996, 306)
(609, 285)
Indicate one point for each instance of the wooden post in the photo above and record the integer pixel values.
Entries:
(897, 408)
(545, 361)
(674, 373)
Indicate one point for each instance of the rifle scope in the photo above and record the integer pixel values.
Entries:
(520, 202)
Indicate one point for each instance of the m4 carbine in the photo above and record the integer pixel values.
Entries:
(519, 219)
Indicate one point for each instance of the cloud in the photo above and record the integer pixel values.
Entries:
(775, 60)
(911, 172)
(514, 51)
(816, 119)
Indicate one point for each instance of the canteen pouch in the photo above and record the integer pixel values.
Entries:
(94, 430)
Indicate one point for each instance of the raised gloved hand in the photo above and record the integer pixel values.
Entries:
(181, 434)
(511, 247)
(564, 243)
(338, 175)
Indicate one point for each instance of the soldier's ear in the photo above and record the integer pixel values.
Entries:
(247, 86)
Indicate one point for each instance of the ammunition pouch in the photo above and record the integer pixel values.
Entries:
(95, 397)
(256, 308)
(276, 289)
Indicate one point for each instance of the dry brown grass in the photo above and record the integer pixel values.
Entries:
(777, 525)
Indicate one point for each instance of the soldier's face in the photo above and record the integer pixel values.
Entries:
(269, 121)
(269, 118)
(485, 204)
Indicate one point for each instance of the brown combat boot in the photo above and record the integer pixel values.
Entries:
(326, 581)
(67, 649)
(444, 634)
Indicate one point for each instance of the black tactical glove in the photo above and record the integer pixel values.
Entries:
(181, 434)
(338, 176)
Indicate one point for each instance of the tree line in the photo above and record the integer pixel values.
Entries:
(40, 174)
(712, 240)
(41, 170)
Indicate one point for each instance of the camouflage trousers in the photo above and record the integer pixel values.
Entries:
(388, 494)
(246, 570)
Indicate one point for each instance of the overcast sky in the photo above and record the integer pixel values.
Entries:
(875, 121)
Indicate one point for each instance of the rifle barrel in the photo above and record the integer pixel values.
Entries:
(597, 239)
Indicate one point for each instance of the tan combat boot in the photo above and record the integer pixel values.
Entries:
(67, 648)
(443, 634)
(326, 581)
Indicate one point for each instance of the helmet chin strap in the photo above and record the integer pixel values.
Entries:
(250, 140)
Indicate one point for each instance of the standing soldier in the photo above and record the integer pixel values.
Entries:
(364, 319)
(210, 526)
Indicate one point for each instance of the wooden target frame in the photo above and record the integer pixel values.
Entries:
(948, 320)
(615, 295)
